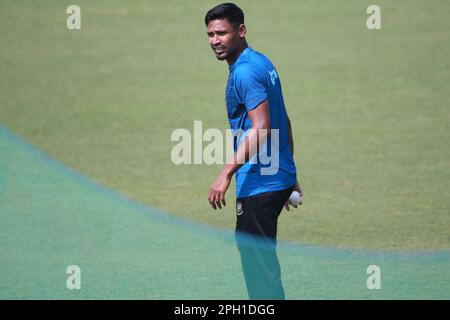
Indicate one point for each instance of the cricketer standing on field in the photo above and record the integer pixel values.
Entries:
(255, 107)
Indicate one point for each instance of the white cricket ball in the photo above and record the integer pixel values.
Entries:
(295, 199)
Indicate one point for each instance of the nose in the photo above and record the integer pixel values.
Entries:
(215, 40)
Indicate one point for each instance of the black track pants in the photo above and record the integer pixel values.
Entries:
(256, 231)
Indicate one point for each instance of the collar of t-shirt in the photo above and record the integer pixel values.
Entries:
(241, 56)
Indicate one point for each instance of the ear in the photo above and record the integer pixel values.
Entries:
(242, 30)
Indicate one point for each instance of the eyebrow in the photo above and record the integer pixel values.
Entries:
(216, 31)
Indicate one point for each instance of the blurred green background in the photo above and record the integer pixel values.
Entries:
(370, 109)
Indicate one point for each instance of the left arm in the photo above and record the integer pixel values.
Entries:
(291, 144)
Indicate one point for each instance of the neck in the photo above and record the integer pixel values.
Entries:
(241, 48)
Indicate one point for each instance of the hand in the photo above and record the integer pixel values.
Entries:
(216, 195)
(296, 188)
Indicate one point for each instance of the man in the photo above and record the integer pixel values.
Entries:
(256, 109)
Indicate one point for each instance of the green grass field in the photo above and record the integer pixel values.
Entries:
(370, 113)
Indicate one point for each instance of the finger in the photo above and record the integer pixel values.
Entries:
(219, 205)
(212, 205)
(211, 202)
(222, 199)
(286, 205)
(216, 200)
(209, 196)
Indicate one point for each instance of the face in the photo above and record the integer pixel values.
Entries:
(224, 38)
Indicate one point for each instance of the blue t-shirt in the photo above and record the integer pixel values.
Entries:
(253, 79)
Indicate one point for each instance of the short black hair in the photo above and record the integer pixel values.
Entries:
(229, 11)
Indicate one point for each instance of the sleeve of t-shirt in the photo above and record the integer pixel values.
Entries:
(251, 87)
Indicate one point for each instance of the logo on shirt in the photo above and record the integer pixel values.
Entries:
(239, 209)
(273, 75)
